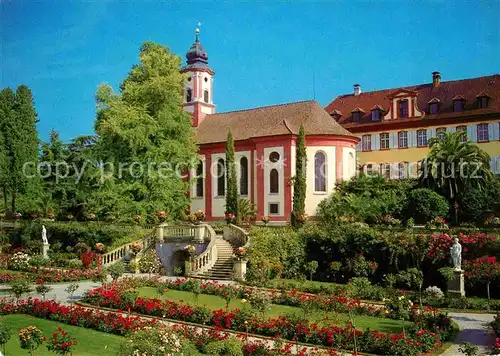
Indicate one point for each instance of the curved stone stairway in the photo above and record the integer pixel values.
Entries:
(223, 267)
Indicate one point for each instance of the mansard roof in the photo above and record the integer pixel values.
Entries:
(445, 92)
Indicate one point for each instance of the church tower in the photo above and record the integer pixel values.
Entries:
(198, 90)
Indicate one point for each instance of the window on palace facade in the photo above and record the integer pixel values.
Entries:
(375, 115)
(462, 129)
(221, 178)
(320, 172)
(385, 170)
(482, 133)
(403, 170)
(403, 109)
(369, 169)
(384, 141)
(244, 176)
(433, 108)
(274, 184)
(440, 132)
(482, 102)
(199, 180)
(189, 95)
(274, 208)
(422, 138)
(458, 105)
(205, 96)
(366, 142)
(403, 139)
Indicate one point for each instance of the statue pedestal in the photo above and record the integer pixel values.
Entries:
(45, 250)
(456, 285)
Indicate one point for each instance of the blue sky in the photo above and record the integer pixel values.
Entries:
(263, 53)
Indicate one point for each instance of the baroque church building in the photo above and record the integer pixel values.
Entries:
(265, 144)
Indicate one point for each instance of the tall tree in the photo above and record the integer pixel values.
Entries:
(18, 124)
(24, 143)
(232, 189)
(453, 166)
(299, 182)
(7, 101)
(143, 129)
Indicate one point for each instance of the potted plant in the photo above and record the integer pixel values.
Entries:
(265, 220)
(162, 216)
(136, 247)
(240, 253)
(100, 247)
(230, 217)
(200, 216)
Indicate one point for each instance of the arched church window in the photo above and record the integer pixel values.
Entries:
(274, 185)
(189, 95)
(244, 176)
(320, 172)
(205, 96)
(221, 178)
(199, 180)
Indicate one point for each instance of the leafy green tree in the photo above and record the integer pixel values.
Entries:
(453, 166)
(232, 190)
(425, 204)
(145, 126)
(299, 184)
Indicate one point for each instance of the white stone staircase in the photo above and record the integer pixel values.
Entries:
(223, 266)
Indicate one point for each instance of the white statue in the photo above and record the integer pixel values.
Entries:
(456, 255)
(44, 235)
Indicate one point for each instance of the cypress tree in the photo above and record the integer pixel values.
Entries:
(7, 100)
(23, 143)
(232, 190)
(299, 183)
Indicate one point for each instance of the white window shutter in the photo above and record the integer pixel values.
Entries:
(413, 138)
(376, 142)
(394, 170)
(433, 133)
(491, 132)
(391, 140)
(470, 130)
(473, 136)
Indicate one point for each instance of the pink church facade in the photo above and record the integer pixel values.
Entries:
(265, 146)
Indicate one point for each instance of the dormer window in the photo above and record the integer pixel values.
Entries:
(482, 101)
(403, 109)
(336, 114)
(376, 113)
(458, 103)
(357, 114)
(434, 106)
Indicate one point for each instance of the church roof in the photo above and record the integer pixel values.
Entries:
(283, 119)
(196, 57)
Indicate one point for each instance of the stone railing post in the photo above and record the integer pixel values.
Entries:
(199, 233)
(159, 232)
(240, 269)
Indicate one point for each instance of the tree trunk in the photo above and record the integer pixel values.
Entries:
(5, 203)
(13, 205)
(455, 210)
(488, 291)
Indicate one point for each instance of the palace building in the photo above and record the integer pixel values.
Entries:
(265, 141)
(394, 125)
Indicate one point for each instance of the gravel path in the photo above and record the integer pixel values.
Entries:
(475, 329)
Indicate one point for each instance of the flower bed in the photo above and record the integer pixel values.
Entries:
(48, 275)
(113, 323)
(430, 329)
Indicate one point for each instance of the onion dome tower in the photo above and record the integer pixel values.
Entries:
(198, 89)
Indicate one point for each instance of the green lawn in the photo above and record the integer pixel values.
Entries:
(90, 342)
(215, 302)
